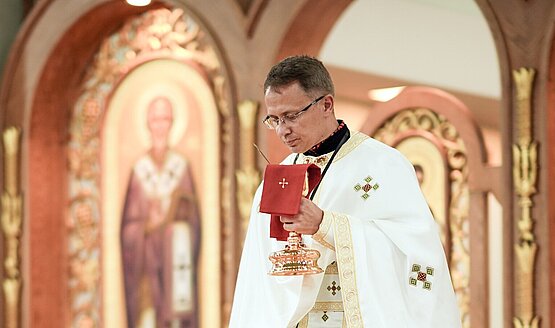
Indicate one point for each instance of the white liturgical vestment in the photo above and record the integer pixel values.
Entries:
(388, 266)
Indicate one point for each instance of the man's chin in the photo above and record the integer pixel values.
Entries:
(297, 149)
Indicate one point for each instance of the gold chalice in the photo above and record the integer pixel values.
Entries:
(295, 259)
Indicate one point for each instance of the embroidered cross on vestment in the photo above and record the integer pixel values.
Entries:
(423, 276)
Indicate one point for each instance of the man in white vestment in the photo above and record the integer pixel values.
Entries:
(384, 262)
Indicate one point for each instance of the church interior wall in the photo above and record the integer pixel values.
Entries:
(517, 53)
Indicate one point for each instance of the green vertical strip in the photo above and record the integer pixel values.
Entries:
(11, 17)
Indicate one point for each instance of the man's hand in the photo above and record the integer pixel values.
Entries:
(307, 221)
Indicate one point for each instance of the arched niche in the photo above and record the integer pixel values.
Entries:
(43, 82)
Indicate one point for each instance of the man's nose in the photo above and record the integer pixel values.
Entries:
(283, 129)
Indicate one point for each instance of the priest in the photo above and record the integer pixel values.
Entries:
(384, 264)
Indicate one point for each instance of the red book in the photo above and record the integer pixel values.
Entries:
(284, 185)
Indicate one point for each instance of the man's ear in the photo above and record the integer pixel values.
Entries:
(328, 104)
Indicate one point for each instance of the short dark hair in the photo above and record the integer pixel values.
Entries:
(308, 71)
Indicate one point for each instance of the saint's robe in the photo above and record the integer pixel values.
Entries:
(160, 259)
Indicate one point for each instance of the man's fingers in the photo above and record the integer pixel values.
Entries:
(285, 219)
(288, 226)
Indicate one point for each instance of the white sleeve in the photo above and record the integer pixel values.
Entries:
(262, 300)
(391, 262)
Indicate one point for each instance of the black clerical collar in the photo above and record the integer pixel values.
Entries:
(330, 143)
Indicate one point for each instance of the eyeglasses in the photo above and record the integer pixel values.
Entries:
(272, 122)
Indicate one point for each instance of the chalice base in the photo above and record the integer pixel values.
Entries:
(295, 259)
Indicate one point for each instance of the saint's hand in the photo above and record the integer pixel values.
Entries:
(307, 221)
(156, 216)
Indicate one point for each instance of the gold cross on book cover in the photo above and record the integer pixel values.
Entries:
(284, 186)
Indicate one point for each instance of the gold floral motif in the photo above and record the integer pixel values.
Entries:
(346, 265)
(303, 323)
(160, 33)
(320, 161)
(247, 180)
(328, 306)
(422, 119)
(332, 268)
(11, 218)
(353, 142)
(525, 168)
(248, 176)
(524, 79)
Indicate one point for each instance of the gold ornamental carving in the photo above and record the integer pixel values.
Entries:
(12, 204)
(247, 175)
(156, 34)
(425, 120)
(525, 169)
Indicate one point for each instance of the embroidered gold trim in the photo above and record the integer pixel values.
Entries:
(322, 232)
(320, 161)
(328, 306)
(354, 141)
(325, 243)
(332, 268)
(304, 322)
(347, 271)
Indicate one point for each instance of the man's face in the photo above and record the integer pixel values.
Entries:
(159, 120)
(307, 130)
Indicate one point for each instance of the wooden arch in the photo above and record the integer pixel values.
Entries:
(39, 101)
(41, 83)
(550, 137)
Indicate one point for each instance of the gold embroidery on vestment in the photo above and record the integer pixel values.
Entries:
(366, 187)
(354, 141)
(332, 268)
(418, 275)
(352, 317)
(320, 161)
(347, 270)
(328, 306)
(323, 307)
(304, 322)
(323, 230)
(333, 288)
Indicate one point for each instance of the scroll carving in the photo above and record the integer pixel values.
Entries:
(12, 202)
(525, 168)
(422, 119)
(248, 177)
